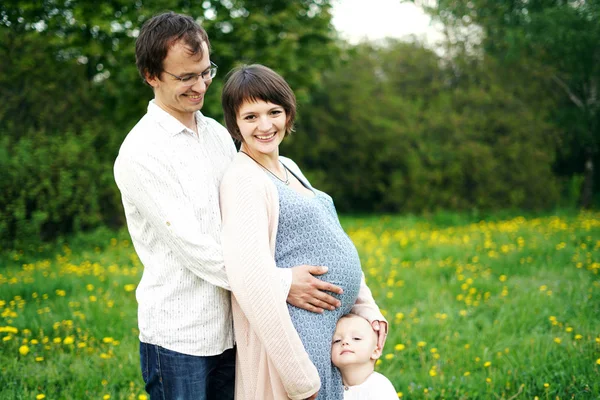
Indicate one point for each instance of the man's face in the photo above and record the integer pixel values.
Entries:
(354, 342)
(170, 93)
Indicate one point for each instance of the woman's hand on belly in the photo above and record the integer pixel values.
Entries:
(309, 293)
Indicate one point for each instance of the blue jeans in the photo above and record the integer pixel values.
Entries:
(170, 375)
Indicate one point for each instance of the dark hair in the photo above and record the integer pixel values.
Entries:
(161, 32)
(254, 83)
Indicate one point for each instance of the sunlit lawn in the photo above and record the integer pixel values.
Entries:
(505, 309)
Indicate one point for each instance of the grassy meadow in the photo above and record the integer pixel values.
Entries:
(505, 308)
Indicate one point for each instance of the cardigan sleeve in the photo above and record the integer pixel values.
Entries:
(255, 283)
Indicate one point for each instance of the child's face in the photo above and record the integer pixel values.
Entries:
(354, 342)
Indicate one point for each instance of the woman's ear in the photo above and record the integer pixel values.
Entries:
(289, 126)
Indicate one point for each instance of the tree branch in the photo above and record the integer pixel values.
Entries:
(593, 100)
(571, 95)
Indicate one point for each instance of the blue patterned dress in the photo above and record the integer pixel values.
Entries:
(309, 232)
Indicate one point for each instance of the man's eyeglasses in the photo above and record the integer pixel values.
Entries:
(192, 79)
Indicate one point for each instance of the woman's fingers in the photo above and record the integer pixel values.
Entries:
(311, 293)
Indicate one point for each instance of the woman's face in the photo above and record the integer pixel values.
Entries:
(262, 126)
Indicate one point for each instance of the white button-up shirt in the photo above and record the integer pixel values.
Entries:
(169, 181)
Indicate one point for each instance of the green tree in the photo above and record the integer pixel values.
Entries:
(553, 39)
(394, 128)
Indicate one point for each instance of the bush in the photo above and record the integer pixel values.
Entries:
(53, 184)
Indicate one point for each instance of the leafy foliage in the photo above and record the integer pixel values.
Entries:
(396, 131)
(557, 42)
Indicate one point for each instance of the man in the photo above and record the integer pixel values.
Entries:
(168, 171)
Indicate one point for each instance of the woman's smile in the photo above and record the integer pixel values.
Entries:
(266, 137)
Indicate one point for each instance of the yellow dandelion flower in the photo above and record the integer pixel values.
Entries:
(9, 329)
(598, 361)
(433, 350)
(389, 356)
(488, 380)
(106, 397)
(129, 287)
(7, 338)
(463, 313)
(502, 278)
(104, 382)
(69, 340)
(24, 350)
(487, 364)
(108, 340)
(578, 337)
(93, 298)
(432, 372)
(557, 340)
(467, 373)
(467, 346)
(399, 347)
(142, 397)
(569, 329)
(40, 396)
(57, 340)
(39, 359)
(400, 395)
(421, 344)
(546, 385)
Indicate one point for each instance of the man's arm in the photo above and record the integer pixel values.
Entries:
(155, 192)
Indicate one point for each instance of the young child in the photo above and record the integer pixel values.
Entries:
(354, 351)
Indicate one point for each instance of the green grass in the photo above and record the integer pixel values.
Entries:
(508, 307)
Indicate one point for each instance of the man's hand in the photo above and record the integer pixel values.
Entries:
(308, 292)
(381, 328)
(314, 396)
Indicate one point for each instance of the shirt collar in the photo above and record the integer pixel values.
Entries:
(171, 124)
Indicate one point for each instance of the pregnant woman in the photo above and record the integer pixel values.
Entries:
(273, 218)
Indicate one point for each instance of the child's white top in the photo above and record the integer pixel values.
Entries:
(376, 387)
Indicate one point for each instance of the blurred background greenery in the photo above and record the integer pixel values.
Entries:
(504, 115)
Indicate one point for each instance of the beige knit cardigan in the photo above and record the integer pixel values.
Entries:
(271, 360)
